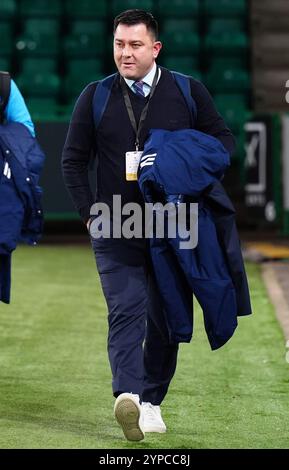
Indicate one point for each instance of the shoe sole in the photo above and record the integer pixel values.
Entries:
(159, 430)
(127, 415)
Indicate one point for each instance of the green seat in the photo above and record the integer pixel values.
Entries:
(7, 9)
(33, 65)
(181, 42)
(86, 8)
(42, 109)
(120, 5)
(41, 84)
(175, 25)
(84, 66)
(178, 8)
(40, 37)
(226, 42)
(41, 26)
(228, 100)
(39, 78)
(186, 65)
(6, 41)
(91, 27)
(73, 87)
(80, 72)
(176, 62)
(5, 64)
(225, 8)
(234, 110)
(219, 25)
(87, 38)
(40, 8)
(219, 63)
(228, 79)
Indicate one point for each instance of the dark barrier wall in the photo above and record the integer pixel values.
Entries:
(56, 200)
(57, 204)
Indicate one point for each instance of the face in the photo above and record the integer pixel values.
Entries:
(134, 50)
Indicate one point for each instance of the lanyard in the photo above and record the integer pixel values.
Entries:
(137, 128)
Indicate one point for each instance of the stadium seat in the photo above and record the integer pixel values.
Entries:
(41, 26)
(7, 9)
(87, 38)
(219, 25)
(178, 8)
(39, 78)
(226, 43)
(220, 63)
(40, 8)
(42, 109)
(224, 8)
(186, 65)
(120, 5)
(179, 24)
(181, 42)
(40, 37)
(176, 62)
(6, 41)
(86, 8)
(31, 65)
(227, 79)
(5, 64)
(91, 27)
(234, 110)
(225, 100)
(84, 66)
(80, 72)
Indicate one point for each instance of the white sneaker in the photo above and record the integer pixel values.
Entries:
(127, 411)
(152, 418)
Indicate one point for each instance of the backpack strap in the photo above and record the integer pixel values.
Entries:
(183, 81)
(5, 83)
(101, 97)
(103, 91)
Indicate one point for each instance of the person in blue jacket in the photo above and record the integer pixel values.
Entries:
(142, 357)
(21, 161)
(16, 109)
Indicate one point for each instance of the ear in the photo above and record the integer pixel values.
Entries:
(156, 49)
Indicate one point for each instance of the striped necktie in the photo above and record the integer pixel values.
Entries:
(138, 88)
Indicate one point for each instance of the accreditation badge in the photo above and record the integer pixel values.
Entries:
(132, 160)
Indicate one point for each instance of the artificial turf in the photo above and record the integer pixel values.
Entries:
(55, 378)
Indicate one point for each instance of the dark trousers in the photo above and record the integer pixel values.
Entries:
(142, 359)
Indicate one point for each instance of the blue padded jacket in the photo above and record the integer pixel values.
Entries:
(187, 165)
(21, 218)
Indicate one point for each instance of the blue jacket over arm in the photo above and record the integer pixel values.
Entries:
(190, 163)
(21, 218)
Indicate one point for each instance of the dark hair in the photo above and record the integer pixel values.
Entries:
(132, 17)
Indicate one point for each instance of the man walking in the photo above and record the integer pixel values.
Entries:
(141, 374)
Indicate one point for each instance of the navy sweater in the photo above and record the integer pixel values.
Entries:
(115, 136)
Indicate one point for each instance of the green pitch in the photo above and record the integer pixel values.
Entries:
(55, 377)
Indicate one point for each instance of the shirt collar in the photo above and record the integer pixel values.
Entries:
(148, 79)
